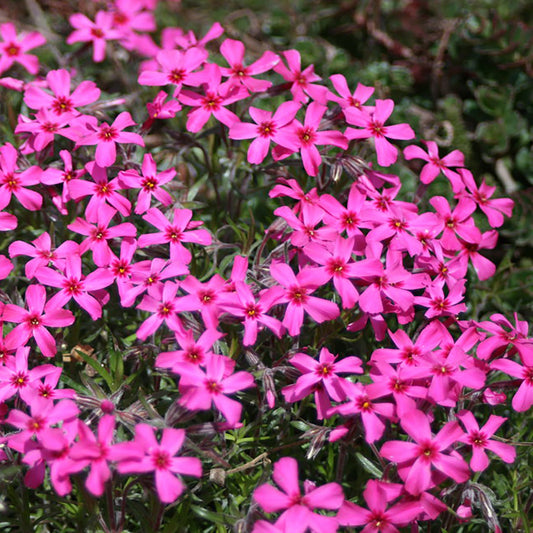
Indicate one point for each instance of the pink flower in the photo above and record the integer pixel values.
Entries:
(233, 52)
(74, 285)
(425, 452)
(480, 440)
(346, 99)
(213, 101)
(107, 136)
(305, 137)
(34, 321)
(301, 80)
(200, 389)
(321, 378)
(161, 459)
(298, 508)
(61, 101)
(98, 32)
(13, 182)
(296, 291)
(374, 126)
(149, 182)
(267, 128)
(13, 49)
(435, 165)
(175, 232)
(523, 398)
(378, 519)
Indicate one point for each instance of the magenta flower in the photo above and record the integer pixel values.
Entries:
(99, 233)
(13, 49)
(101, 190)
(496, 208)
(42, 129)
(13, 182)
(149, 182)
(74, 285)
(301, 80)
(61, 100)
(296, 291)
(161, 459)
(16, 378)
(244, 305)
(267, 128)
(107, 136)
(374, 126)
(238, 74)
(34, 321)
(97, 451)
(435, 165)
(377, 518)
(213, 101)
(202, 389)
(305, 137)
(98, 32)
(523, 398)
(176, 68)
(425, 452)
(320, 377)
(298, 508)
(175, 232)
(346, 99)
(480, 440)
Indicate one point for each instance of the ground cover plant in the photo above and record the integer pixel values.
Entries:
(241, 293)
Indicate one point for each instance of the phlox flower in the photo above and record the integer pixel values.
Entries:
(377, 518)
(101, 190)
(6, 266)
(304, 137)
(523, 398)
(243, 304)
(425, 452)
(194, 352)
(238, 74)
(267, 128)
(100, 31)
(53, 176)
(175, 67)
(149, 182)
(41, 251)
(61, 101)
(494, 209)
(304, 225)
(44, 414)
(96, 452)
(200, 389)
(435, 164)
(292, 189)
(13, 182)
(213, 101)
(34, 321)
(373, 125)
(469, 252)
(480, 440)
(99, 233)
(360, 402)
(295, 290)
(121, 267)
(320, 377)
(16, 378)
(158, 108)
(346, 99)
(298, 515)
(175, 233)
(73, 284)
(149, 276)
(161, 459)
(164, 307)
(440, 305)
(301, 80)
(13, 48)
(107, 136)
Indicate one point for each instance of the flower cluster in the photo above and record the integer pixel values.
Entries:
(350, 253)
